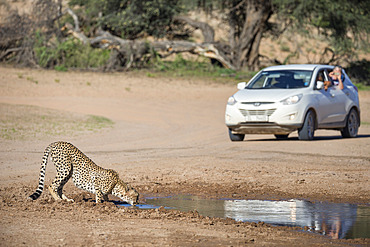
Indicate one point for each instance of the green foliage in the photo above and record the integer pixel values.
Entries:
(346, 23)
(129, 18)
(362, 87)
(285, 48)
(61, 68)
(43, 54)
(97, 122)
(200, 68)
(70, 53)
(359, 72)
(31, 79)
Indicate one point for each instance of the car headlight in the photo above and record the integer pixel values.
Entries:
(231, 101)
(292, 99)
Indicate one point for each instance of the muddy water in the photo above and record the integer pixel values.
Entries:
(336, 220)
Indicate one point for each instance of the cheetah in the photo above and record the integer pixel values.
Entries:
(71, 162)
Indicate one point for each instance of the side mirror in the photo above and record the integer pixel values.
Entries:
(319, 85)
(241, 85)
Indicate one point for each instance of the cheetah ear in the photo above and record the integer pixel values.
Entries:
(122, 185)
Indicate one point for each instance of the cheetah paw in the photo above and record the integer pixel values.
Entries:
(66, 198)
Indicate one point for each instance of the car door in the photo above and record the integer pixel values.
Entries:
(341, 99)
(328, 103)
(338, 112)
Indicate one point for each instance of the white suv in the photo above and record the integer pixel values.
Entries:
(281, 99)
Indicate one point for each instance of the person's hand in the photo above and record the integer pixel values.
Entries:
(339, 76)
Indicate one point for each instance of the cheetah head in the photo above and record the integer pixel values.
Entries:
(126, 193)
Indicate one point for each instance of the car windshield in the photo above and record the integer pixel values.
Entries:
(281, 79)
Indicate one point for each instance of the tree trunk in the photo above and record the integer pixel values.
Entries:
(247, 42)
(207, 30)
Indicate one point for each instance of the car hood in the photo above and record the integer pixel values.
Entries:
(264, 95)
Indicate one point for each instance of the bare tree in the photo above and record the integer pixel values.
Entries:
(247, 20)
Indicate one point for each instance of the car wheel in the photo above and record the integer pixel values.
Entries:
(281, 137)
(352, 125)
(307, 131)
(236, 137)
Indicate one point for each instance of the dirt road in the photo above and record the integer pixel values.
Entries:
(168, 137)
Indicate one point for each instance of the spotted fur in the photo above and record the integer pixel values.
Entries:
(70, 162)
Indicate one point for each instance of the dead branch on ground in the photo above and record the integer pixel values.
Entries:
(133, 51)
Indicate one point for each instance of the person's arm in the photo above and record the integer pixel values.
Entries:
(340, 85)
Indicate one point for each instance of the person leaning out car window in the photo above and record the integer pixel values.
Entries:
(337, 77)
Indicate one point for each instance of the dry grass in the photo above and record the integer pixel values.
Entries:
(21, 122)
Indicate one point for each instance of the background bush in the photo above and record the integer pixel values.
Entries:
(69, 53)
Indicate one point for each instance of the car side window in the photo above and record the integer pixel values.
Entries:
(322, 80)
(320, 77)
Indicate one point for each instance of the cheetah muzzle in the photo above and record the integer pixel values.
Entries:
(70, 162)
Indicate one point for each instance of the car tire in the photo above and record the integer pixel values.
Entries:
(236, 137)
(307, 131)
(282, 137)
(352, 125)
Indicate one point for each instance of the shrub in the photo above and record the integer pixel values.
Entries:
(69, 53)
(201, 67)
(359, 72)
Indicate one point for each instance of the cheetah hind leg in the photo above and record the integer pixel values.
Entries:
(56, 187)
(64, 197)
(54, 193)
(58, 196)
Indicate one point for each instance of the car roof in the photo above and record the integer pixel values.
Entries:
(298, 67)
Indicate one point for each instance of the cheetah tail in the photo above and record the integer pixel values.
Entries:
(39, 190)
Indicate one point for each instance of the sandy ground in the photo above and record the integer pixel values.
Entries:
(168, 138)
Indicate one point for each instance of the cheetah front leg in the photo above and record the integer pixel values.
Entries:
(99, 196)
(105, 198)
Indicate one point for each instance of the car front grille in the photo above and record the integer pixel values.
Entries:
(267, 112)
(257, 103)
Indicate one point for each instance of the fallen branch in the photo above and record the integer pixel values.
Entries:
(164, 48)
(131, 51)
(207, 31)
(9, 51)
